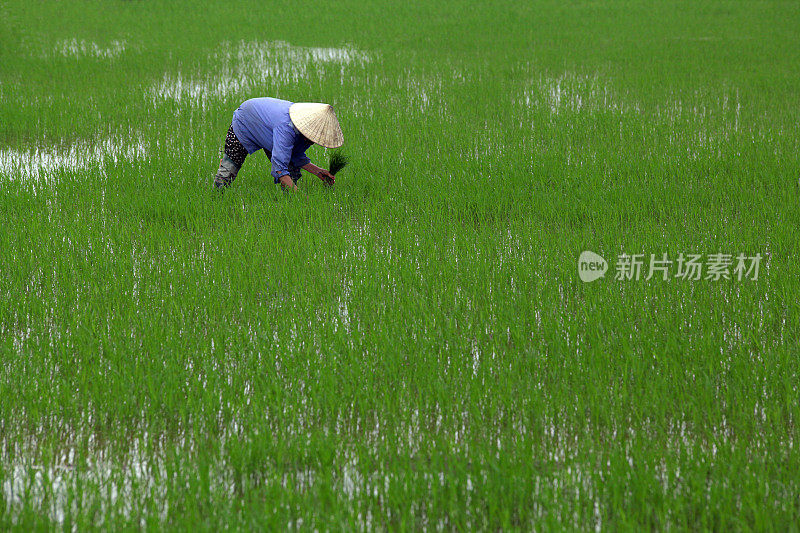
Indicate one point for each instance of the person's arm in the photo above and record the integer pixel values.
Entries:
(319, 172)
(282, 143)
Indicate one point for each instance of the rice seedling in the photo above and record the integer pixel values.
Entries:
(413, 349)
(337, 162)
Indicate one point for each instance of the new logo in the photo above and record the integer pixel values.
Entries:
(591, 266)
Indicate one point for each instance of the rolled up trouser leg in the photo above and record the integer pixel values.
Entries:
(227, 172)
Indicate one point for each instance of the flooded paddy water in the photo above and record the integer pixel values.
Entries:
(413, 349)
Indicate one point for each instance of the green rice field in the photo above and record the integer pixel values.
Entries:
(413, 349)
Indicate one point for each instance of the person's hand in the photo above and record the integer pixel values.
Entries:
(327, 177)
(287, 184)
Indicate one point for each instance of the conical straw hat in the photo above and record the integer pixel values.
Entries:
(318, 123)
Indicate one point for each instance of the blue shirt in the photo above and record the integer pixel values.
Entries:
(264, 124)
